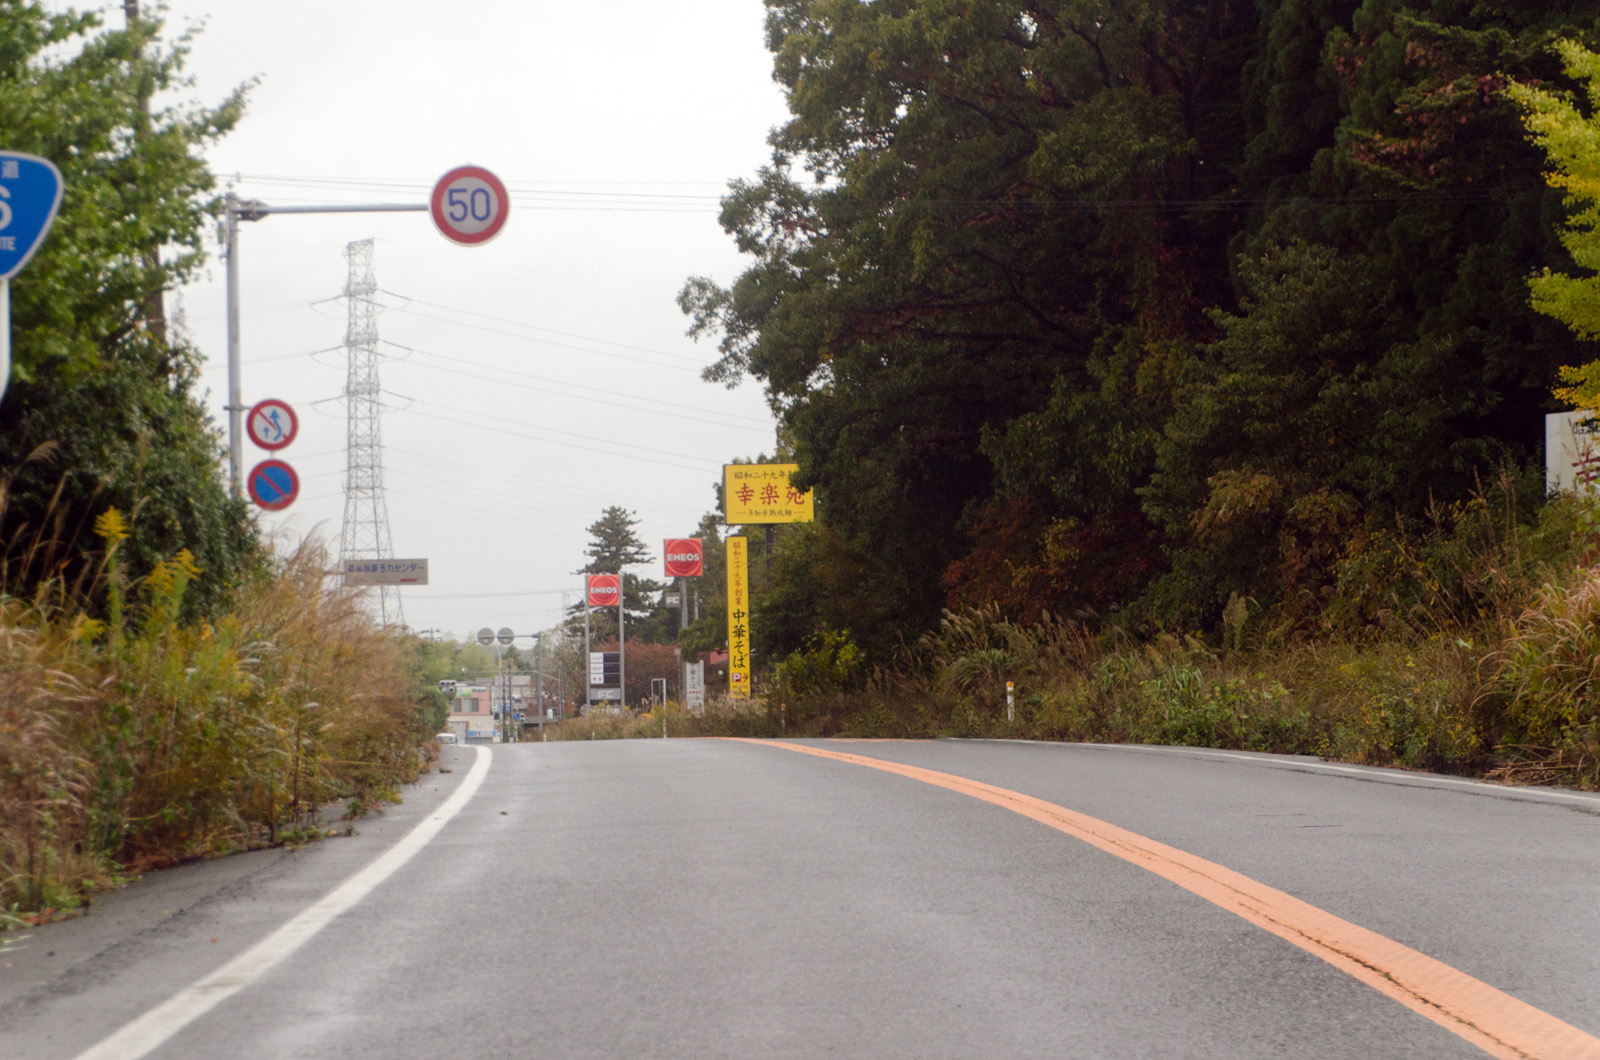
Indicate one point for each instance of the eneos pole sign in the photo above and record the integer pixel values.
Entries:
(603, 590)
(683, 557)
(469, 205)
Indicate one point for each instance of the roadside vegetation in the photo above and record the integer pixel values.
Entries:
(171, 685)
(1472, 648)
(1186, 368)
(132, 739)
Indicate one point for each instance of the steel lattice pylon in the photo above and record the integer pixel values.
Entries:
(366, 508)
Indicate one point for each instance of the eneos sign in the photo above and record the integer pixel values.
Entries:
(603, 590)
(684, 557)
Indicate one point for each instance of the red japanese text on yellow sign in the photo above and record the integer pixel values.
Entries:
(764, 493)
(738, 618)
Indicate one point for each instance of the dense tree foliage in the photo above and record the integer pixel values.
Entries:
(101, 410)
(1572, 142)
(1129, 307)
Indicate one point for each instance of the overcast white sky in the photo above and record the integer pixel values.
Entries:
(616, 127)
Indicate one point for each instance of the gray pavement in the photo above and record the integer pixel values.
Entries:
(711, 899)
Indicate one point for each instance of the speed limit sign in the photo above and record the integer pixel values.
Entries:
(470, 205)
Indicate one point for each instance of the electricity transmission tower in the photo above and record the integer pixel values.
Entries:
(366, 508)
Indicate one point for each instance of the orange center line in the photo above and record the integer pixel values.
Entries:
(1490, 1019)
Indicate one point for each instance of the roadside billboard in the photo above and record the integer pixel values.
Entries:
(754, 494)
(738, 618)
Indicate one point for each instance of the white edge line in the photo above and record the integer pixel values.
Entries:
(1378, 773)
(140, 1036)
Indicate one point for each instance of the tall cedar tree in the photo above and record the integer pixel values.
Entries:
(614, 546)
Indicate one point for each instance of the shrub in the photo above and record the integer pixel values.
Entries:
(140, 740)
(1548, 671)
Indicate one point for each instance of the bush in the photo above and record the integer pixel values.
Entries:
(1548, 671)
(140, 740)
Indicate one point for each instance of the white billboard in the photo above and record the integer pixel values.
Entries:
(385, 571)
(1571, 452)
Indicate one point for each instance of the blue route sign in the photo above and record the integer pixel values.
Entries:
(30, 195)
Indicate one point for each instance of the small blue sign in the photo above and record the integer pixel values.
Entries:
(273, 485)
(30, 195)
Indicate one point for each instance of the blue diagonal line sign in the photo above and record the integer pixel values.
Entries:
(273, 484)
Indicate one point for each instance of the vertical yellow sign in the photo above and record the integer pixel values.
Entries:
(738, 618)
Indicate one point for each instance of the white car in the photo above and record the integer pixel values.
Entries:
(447, 737)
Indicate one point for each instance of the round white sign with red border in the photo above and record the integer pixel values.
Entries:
(272, 424)
(470, 205)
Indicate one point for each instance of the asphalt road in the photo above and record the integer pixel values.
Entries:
(721, 899)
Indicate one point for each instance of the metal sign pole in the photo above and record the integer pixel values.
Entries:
(237, 210)
(683, 624)
(5, 336)
(235, 384)
(622, 647)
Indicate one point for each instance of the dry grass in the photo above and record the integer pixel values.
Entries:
(137, 740)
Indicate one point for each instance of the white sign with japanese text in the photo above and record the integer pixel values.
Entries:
(385, 571)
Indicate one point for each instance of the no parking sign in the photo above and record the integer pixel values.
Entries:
(273, 485)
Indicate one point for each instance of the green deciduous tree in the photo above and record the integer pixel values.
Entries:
(1128, 308)
(1571, 140)
(101, 410)
(982, 217)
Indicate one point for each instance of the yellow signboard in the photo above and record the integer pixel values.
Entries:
(738, 618)
(763, 493)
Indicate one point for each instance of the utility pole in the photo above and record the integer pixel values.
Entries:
(561, 671)
(155, 310)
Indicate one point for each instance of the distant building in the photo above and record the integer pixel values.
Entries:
(472, 715)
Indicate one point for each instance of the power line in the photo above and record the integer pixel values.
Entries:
(679, 463)
(610, 396)
(696, 362)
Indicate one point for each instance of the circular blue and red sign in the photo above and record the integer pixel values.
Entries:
(272, 424)
(470, 205)
(273, 485)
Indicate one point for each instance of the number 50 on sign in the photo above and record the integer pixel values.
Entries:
(469, 205)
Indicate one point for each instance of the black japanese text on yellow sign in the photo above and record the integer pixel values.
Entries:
(738, 618)
(764, 493)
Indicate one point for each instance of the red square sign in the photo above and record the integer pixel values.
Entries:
(684, 557)
(603, 590)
